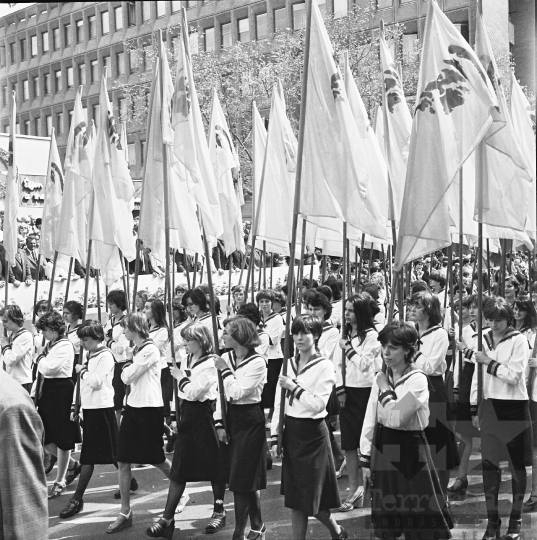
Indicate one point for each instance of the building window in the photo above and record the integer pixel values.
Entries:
(82, 74)
(4, 96)
(131, 13)
(244, 30)
(513, 6)
(118, 17)
(299, 16)
(23, 50)
(12, 56)
(33, 45)
(48, 123)
(107, 66)
(280, 20)
(227, 38)
(209, 39)
(47, 83)
(25, 90)
(35, 84)
(58, 79)
(36, 125)
(322, 7)
(133, 60)
(161, 8)
(92, 26)
(131, 150)
(410, 48)
(341, 8)
(95, 112)
(70, 77)
(463, 29)
(56, 39)
(261, 25)
(94, 71)
(381, 4)
(79, 31)
(146, 11)
(176, 6)
(122, 106)
(120, 61)
(105, 22)
(27, 127)
(67, 34)
(59, 123)
(44, 41)
(143, 152)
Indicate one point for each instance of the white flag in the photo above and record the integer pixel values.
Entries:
(11, 205)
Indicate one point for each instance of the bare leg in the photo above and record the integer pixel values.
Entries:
(125, 486)
(118, 418)
(354, 469)
(63, 463)
(299, 523)
(326, 518)
(165, 467)
(534, 472)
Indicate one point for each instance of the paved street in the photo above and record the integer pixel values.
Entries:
(101, 509)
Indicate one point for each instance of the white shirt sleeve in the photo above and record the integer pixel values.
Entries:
(142, 361)
(14, 353)
(436, 355)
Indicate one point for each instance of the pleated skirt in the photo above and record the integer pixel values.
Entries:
(309, 482)
(351, 417)
(248, 448)
(119, 386)
(101, 435)
(464, 424)
(274, 366)
(406, 497)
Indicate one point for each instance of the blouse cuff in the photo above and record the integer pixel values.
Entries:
(218, 424)
(5, 348)
(492, 368)
(340, 390)
(365, 461)
(387, 396)
(183, 382)
(226, 373)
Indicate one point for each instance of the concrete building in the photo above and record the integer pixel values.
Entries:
(48, 49)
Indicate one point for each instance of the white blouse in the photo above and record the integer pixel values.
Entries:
(56, 361)
(274, 326)
(309, 397)
(18, 355)
(73, 338)
(200, 382)
(144, 377)
(328, 342)
(96, 390)
(263, 347)
(116, 340)
(405, 406)
(159, 336)
(362, 361)
(432, 348)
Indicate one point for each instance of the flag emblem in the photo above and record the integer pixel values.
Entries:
(392, 88)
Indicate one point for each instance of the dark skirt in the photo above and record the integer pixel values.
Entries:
(533, 415)
(198, 454)
(248, 448)
(166, 384)
(119, 386)
(351, 417)
(100, 437)
(332, 407)
(464, 424)
(74, 374)
(406, 497)
(506, 432)
(308, 474)
(140, 436)
(439, 432)
(54, 407)
(268, 396)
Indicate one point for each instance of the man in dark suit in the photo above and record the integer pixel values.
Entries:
(20, 272)
(32, 254)
(23, 485)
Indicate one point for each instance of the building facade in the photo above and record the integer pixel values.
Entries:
(48, 49)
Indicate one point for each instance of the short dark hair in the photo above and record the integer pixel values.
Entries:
(530, 321)
(91, 329)
(280, 297)
(361, 307)
(265, 294)
(117, 297)
(326, 290)
(372, 290)
(333, 283)
(438, 277)
(42, 305)
(431, 306)
(251, 312)
(137, 323)
(14, 313)
(418, 286)
(401, 334)
(243, 331)
(197, 296)
(53, 321)
(308, 324)
(317, 299)
(498, 309)
(75, 308)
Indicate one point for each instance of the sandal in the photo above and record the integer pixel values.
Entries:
(257, 535)
(458, 487)
(356, 501)
(531, 504)
(343, 534)
(56, 490)
(161, 529)
(218, 520)
(122, 522)
(73, 473)
(183, 501)
(339, 473)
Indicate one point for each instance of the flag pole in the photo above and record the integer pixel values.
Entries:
(194, 276)
(461, 223)
(272, 269)
(136, 274)
(36, 283)
(360, 266)
(98, 285)
(323, 269)
(173, 268)
(68, 285)
(264, 264)
(296, 211)
(187, 268)
(229, 282)
(310, 285)
(298, 308)
(250, 268)
(356, 280)
(49, 305)
(343, 301)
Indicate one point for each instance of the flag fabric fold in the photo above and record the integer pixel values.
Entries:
(453, 113)
(53, 202)
(11, 205)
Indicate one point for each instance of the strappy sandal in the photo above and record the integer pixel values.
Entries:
(161, 529)
(218, 520)
(531, 504)
(459, 487)
(56, 490)
(257, 535)
(122, 522)
(356, 501)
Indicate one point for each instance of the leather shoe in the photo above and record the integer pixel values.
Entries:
(73, 507)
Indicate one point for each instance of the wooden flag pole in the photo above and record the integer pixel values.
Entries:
(68, 285)
(250, 271)
(296, 211)
(356, 280)
(344, 293)
(264, 264)
(36, 283)
(385, 275)
(187, 268)
(195, 275)
(136, 274)
(125, 277)
(272, 269)
(98, 284)
(204, 264)
(361, 264)
(173, 269)
(461, 223)
(52, 276)
(298, 307)
(261, 264)
(488, 265)
(229, 283)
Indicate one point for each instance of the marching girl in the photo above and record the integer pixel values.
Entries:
(197, 456)
(244, 373)
(141, 430)
(309, 483)
(361, 354)
(525, 318)
(531, 377)
(425, 312)
(238, 299)
(72, 315)
(54, 395)
(97, 403)
(251, 312)
(18, 349)
(406, 497)
(197, 305)
(141, 299)
(512, 287)
(503, 415)
(273, 324)
(117, 343)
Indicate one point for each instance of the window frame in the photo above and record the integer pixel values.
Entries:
(118, 9)
(239, 21)
(23, 45)
(33, 46)
(92, 26)
(105, 17)
(67, 36)
(205, 30)
(44, 41)
(224, 35)
(79, 30)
